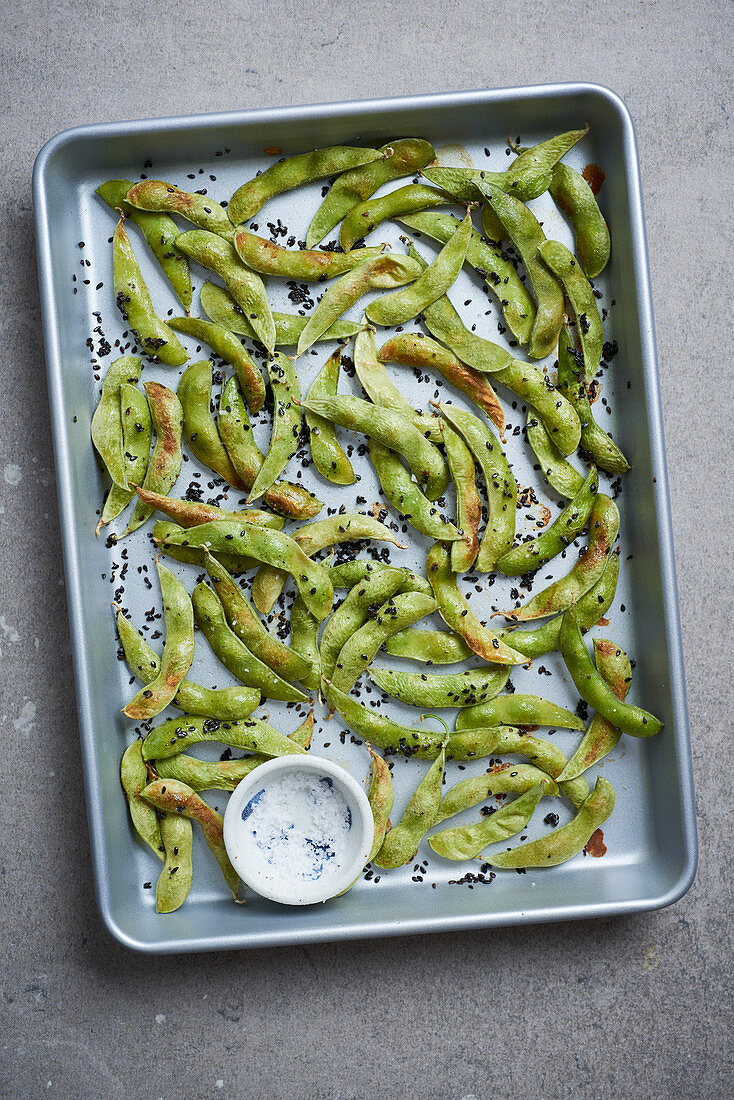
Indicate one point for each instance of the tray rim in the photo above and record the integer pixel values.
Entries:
(71, 550)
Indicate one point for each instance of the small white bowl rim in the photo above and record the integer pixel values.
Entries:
(355, 798)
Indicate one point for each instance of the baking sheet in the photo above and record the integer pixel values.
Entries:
(651, 836)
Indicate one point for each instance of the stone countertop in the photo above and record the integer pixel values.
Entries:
(608, 1008)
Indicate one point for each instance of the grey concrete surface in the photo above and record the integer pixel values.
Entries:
(630, 1007)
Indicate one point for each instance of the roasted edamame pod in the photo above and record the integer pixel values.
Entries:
(192, 513)
(168, 198)
(557, 471)
(614, 666)
(381, 272)
(556, 410)
(399, 158)
(354, 570)
(287, 420)
(381, 797)
(134, 776)
(305, 642)
(467, 841)
(362, 647)
(328, 455)
(519, 710)
(222, 703)
(401, 842)
(157, 341)
(174, 881)
(165, 462)
(137, 433)
(405, 496)
(245, 286)
(499, 779)
(365, 218)
(293, 171)
(194, 555)
(565, 592)
(226, 345)
(530, 555)
(458, 689)
(580, 294)
(221, 307)
(592, 687)
(457, 614)
(382, 731)
(568, 840)
(107, 434)
(433, 647)
(468, 505)
(575, 198)
(304, 265)
(252, 735)
(160, 233)
(594, 440)
(199, 427)
(176, 798)
(178, 651)
(382, 391)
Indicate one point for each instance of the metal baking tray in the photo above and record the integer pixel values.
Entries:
(651, 836)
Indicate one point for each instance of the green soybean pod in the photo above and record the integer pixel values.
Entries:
(305, 642)
(165, 462)
(531, 172)
(499, 485)
(245, 286)
(569, 840)
(375, 589)
(134, 776)
(223, 703)
(307, 266)
(552, 405)
(594, 440)
(518, 710)
(614, 666)
(575, 198)
(226, 345)
(137, 434)
(557, 471)
(592, 687)
(199, 427)
(221, 307)
(163, 530)
(437, 278)
(160, 233)
(380, 272)
(399, 158)
(107, 435)
(458, 689)
(405, 496)
(468, 505)
(177, 873)
(401, 842)
(328, 455)
(381, 797)
(176, 798)
(589, 568)
(499, 779)
(433, 647)
(165, 197)
(530, 555)
(192, 513)
(362, 647)
(252, 735)
(287, 421)
(293, 171)
(365, 218)
(382, 731)
(492, 265)
(580, 294)
(467, 841)
(381, 390)
(590, 608)
(157, 340)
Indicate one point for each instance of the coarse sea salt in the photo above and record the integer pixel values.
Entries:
(298, 826)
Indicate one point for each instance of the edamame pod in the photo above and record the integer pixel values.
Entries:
(575, 198)
(226, 345)
(399, 158)
(222, 703)
(195, 555)
(134, 777)
(392, 430)
(565, 592)
(433, 282)
(178, 651)
(160, 233)
(305, 642)
(401, 842)
(381, 272)
(592, 687)
(555, 410)
(293, 171)
(165, 461)
(568, 841)
(351, 572)
(328, 455)
(373, 591)
(363, 646)
(157, 340)
(192, 513)
(433, 647)
(382, 391)
(457, 614)
(467, 841)
(594, 440)
(500, 779)
(382, 731)
(107, 434)
(365, 218)
(176, 798)
(530, 555)
(174, 881)
(222, 308)
(199, 427)
(287, 419)
(580, 294)
(559, 473)
(306, 266)
(381, 797)
(252, 735)
(137, 433)
(459, 689)
(245, 286)
(614, 667)
(519, 710)
(498, 272)
(168, 198)
(468, 505)
(405, 496)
